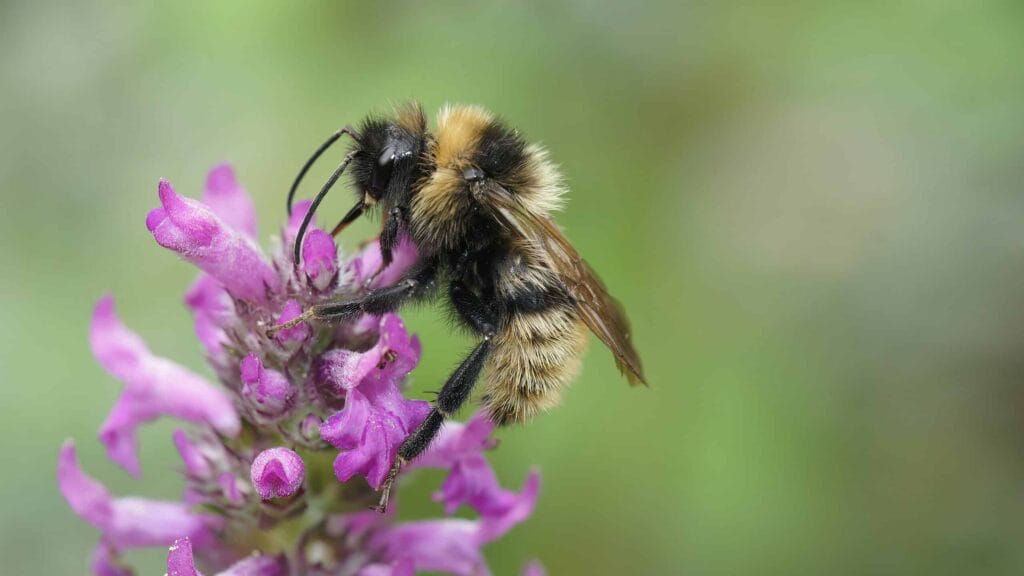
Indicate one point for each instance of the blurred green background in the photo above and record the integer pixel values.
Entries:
(813, 212)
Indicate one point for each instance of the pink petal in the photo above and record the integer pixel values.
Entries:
(154, 387)
(456, 441)
(403, 567)
(454, 545)
(180, 561)
(191, 229)
(514, 511)
(449, 546)
(196, 464)
(125, 522)
(210, 305)
(87, 497)
(319, 257)
(394, 355)
(291, 310)
(344, 429)
(370, 260)
(229, 201)
(267, 390)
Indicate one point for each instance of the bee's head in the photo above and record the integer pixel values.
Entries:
(388, 157)
(386, 160)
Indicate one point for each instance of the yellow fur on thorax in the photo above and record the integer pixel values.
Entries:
(458, 132)
(443, 199)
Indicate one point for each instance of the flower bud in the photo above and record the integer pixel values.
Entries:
(290, 311)
(277, 473)
(310, 427)
(267, 390)
(319, 258)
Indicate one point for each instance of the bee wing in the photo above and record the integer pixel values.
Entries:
(601, 312)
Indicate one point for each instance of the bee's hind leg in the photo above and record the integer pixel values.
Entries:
(455, 391)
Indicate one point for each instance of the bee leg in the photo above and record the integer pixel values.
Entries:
(418, 282)
(394, 223)
(455, 391)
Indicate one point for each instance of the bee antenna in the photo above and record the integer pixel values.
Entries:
(312, 159)
(316, 202)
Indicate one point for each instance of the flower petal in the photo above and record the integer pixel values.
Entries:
(141, 522)
(87, 497)
(268, 391)
(229, 201)
(344, 429)
(370, 260)
(384, 365)
(449, 545)
(376, 417)
(319, 257)
(291, 310)
(154, 387)
(125, 522)
(181, 562)
(230, 488)
(403, 567)
(210, 305)
(496, 523)
(454, 544)
(196, 464)
(456, 441)
(191, 229)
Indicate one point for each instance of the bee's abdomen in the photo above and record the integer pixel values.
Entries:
(536, 354)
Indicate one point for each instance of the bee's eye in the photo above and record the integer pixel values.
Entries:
(387, 156)
(380, 176)
(473, 174)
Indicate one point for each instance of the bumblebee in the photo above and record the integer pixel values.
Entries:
(476, 199)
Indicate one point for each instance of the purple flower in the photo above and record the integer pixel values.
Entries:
(277, 473)
(260, 497)
(154, 387)
(267, 390)
(376, 417)
(191, 229)
(125, 522)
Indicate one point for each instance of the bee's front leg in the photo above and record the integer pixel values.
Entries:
(419, 281)
(394, 224)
